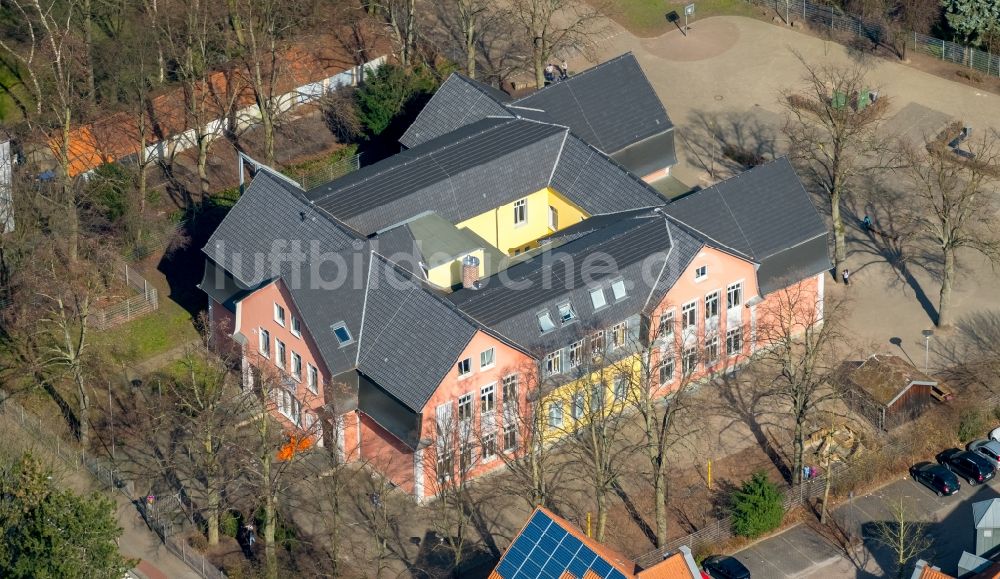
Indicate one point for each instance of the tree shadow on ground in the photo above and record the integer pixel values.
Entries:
(743, 401)
(889, 241)
(726, 144)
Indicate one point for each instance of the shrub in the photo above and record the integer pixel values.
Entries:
(757, 507)
(390, 92)
(229, 524)
(971, 425)
(970, 75)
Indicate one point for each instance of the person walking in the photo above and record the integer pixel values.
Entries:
(846, 274)
(868, 223)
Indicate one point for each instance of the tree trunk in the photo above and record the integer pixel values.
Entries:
(267, 121)
(537, 60)
(84, 401)
(410, 38)
(213, 495)
(470, 47)
(947, 278)
(88, 46)
(72, 219)
(602, 514)
(840, 244)
(798, 452)
(203, 144)
(826, 493)
(660, 496)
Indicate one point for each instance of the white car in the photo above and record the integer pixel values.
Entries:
(988, 449)
(995, 434)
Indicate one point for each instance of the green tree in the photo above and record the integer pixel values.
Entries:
(975, 21)
(46, 531)
(389, 91)
(757, 507)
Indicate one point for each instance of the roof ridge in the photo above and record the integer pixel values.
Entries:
(666, 260)
(417, 157)
(586, 118)
(623, 169)
(583, 72)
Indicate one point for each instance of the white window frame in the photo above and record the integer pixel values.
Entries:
(700, 273)
(713, 297)
(734, 335)
(553, 363)
(296, 366)
(597, 344)
(596, 399)
(619, 329)
(489, 446)
(488, 399)
(689, 309)
(597, 295)
(296, 327)
(510, 438)
(689, 360)
(574, 354)
(279, 314)
(711, 349)
(280, 352)
(555, 415)
(342, 326)
(264, 342)
(665, 329)
(465, 407)
(487, 358)
(619, 387)
(553, 218)
(618, 284)
(566, 313)
(509, 389)
(545, 323)
(520, 212)
(464, 367)
(577, 408)
(737, 290)
(666, 362)
(312, 378)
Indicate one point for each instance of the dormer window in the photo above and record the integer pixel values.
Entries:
(618, 289)
(545, 323)
(597, 298)
(566, 313)
(342, 333)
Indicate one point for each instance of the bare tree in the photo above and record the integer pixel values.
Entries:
(953, 202)
(905, 538)
(650, 383)
(464, 22)
(67, 320)
(50, 57)
(555, 26)
(833, 132)
(798, 332)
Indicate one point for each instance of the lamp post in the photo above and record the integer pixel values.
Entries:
(927, 346)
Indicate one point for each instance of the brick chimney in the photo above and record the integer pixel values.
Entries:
(470, 272)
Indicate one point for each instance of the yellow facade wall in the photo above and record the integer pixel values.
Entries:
(449, 274)
(497, 225)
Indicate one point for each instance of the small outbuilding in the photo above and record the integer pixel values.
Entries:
(986, 516)
(887, 390)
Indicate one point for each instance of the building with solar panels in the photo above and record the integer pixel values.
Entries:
(550, 547)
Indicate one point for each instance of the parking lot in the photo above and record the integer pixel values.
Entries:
(801, 553)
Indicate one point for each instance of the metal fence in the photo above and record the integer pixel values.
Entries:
(145, 300)
(721, 530)
(833, 18)
(111, 479)
(328, 173)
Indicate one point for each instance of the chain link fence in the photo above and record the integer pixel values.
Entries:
(875, 31)
(110, 478)
(327, 173)
(145, 300)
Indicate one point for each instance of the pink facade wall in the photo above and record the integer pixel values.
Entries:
(723, 270)
(386, 453)
(256, 311)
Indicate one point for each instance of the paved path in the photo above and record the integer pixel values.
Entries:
(801, 553)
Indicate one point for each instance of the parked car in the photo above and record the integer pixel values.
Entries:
(722, 567)
(967, 465)
(995, 434)
(988, 449)
(935, 477)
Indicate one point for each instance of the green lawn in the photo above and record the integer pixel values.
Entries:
(153, 334)
(647, 18)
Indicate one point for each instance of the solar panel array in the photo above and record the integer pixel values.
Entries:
(546, 550)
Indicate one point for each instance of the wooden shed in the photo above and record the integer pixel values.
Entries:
(887, 390)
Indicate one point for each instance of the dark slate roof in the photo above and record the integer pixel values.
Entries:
(634, 244)
(410, 338)
(764, 213)
(471, 170)
(220, 286)
(479, 167)
(593, 104)
(459, 101)
(274, 205)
